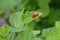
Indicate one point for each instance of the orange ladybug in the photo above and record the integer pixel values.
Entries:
(35, 14)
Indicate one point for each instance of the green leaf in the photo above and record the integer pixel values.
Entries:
(26, 34)
(46, 32)
(57, 24)
(1, 38)
(28, 16)
(16, 20)
(3, 30)
(13, 29)
(11, 36)
(35, 32)
(55, 35)
(37, 38)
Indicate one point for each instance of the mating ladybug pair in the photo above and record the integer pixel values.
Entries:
(35, 14)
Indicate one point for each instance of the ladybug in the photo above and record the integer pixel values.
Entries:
(35, 14)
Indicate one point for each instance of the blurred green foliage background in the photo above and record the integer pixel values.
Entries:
(15, 16)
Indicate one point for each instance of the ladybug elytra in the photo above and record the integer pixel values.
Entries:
(35, 14)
